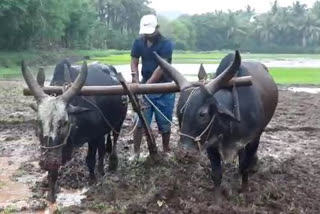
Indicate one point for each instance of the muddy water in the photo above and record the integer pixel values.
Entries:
(305, 89)
(11, 191)
(287, 180)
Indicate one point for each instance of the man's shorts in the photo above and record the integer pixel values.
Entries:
(165, 103)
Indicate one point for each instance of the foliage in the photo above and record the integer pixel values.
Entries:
(113, 24)
(47, 24)
(281, 30)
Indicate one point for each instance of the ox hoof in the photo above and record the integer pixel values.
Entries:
(217, 195)
(113, 162)
(254, 165)
(92, 180)
(101, 170)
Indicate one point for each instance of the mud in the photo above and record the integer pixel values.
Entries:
(286, 181)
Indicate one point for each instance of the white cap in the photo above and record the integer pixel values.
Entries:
(148, 24)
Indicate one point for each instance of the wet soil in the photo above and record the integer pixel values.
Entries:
(286, 181)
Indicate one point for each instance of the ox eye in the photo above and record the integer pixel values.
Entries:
(62, 123)
(202, 114)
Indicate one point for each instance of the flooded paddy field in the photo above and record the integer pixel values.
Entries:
(286, 181)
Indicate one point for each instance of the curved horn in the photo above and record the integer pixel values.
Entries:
(32, 83)
(67, 75)
(177, 77)
(77, 85)
(225, 76)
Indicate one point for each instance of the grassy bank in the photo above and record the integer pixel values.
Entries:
(187, 57)
(296, 75)
(10, 61)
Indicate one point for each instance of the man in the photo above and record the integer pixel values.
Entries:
(143, 47)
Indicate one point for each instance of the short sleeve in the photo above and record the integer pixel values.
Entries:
(136, 49)
(166, 51)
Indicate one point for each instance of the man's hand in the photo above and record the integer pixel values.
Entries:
(134, 69)
(156, 76)
(134, 77)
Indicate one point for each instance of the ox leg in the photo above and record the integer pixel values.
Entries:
(215, 160)
(91, 160)
(102, 153)
(247, 160)
(109, 144)
(67, 152)
(113, 159)
(52, 180)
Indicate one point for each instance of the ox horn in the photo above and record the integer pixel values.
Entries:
(225, 76)
(32, 83)
(77, 85)
(177, 77)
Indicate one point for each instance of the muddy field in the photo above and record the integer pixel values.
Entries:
(287, 180)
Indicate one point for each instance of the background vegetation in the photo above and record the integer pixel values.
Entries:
(113, 24)
(44, 31)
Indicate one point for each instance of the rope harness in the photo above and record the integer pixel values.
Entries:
(58, 146)
(196, 139)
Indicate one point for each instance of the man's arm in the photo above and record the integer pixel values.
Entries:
(135, 69)
(156, 76)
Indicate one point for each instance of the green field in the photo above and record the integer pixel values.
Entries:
(296, 75)
(9, 62)
(203, 57)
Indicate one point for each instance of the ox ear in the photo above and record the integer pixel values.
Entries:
(41, 77)
(77, 109)
(202, 74)
(225, 112)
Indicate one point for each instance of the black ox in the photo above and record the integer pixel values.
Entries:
(68, 120)
(209, 114)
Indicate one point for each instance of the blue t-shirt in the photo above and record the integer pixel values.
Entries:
(161, 45)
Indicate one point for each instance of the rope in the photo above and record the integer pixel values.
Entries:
(107, 121)
(58, 146)
(185, 104)
(158, 110)
(197, 139)
(104, 118)
(134, 127)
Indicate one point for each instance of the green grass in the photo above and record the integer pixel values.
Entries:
(299, 76)
(189, 57)
(10, 61)
(296, 75)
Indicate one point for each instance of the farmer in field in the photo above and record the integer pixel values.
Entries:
(160, 105)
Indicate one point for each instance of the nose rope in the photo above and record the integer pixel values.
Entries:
(58, 146)
(197, 139)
